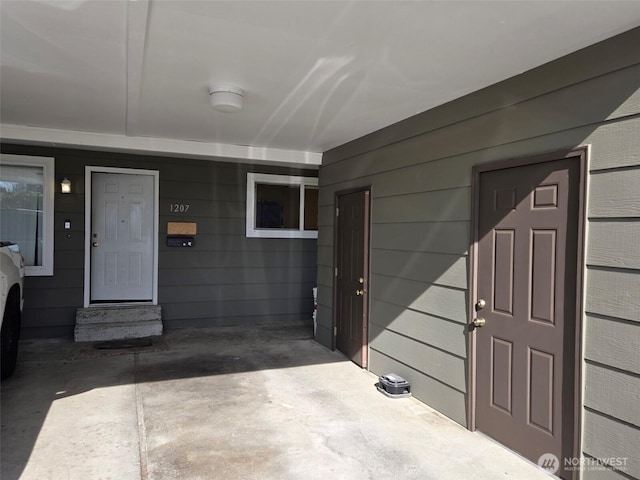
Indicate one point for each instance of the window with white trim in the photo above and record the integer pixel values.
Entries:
(282, 206)
(26, 209)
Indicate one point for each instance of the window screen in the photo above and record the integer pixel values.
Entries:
(277, 206)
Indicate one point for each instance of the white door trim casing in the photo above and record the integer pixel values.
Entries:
(89, 170)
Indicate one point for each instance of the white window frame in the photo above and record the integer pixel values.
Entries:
(302, 182)
(48, 190)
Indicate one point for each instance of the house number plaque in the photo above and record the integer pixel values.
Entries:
(179, 207)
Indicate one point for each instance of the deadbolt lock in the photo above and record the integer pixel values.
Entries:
(479, 322)
(481, 303)
(361, 280)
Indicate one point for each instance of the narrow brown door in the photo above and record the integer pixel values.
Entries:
(526, 277)
(352, 261)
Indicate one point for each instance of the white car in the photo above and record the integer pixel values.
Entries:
(11, 302)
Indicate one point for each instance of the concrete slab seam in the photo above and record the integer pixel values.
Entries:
(142, 436)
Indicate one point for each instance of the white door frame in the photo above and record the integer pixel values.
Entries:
(89, 170)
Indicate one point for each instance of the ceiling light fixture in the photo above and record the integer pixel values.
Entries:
(226, 98)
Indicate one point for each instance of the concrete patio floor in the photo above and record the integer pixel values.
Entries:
(263, 402)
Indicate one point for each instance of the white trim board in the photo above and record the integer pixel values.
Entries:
(164, 147)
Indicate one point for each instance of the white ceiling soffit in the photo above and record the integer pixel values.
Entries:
(134, 75)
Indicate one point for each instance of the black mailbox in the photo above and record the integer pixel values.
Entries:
(180, 241)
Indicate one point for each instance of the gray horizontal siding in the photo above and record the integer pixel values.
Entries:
(442, 397)
(614, 144)
(441, 205)
(65, 278)
(445, 302)
(605, 437)
(615, 194)
(325, 319)
(613, 342)
(325, 255)
(169, 277)
(434, 331)
(269, 309)
(434, 237)
(581, 105)
(179, 294)
(612, 327)
(325, 276)
(434, 268)
(614, 243)
(206, 208)
(323, 291)
(601, 380)
(324, 334)
(325, 237)
(435, 363)
(69, 239)
(43, 299)
(229, 320)
(195, 258)
(325, 215)
(224, 279)
(205, 182)
(614, 293)
(420, 175)
(603, 474)
(597, 60)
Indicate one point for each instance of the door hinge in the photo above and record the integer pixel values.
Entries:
(335, 331)
(336, 272)
(337, 212)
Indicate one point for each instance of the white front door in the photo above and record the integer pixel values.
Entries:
(122, 237)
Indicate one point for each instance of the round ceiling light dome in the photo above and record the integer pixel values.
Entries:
(226, 98)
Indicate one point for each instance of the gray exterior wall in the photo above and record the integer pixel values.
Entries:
(420, 170)
(226, 279)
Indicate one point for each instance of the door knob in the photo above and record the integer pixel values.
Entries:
(95, 244)
(479, 322)
(360, 292)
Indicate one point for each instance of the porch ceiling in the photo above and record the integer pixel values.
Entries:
(134, 75)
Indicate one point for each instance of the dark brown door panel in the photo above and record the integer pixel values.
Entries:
(352, 262)
(527, 256)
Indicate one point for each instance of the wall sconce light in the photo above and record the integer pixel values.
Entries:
(65, 185)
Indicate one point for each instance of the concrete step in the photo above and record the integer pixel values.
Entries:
(96, 324)
(117, 331)
(118, 314)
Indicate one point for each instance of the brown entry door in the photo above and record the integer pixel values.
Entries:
(352, 261)
(526, 275)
